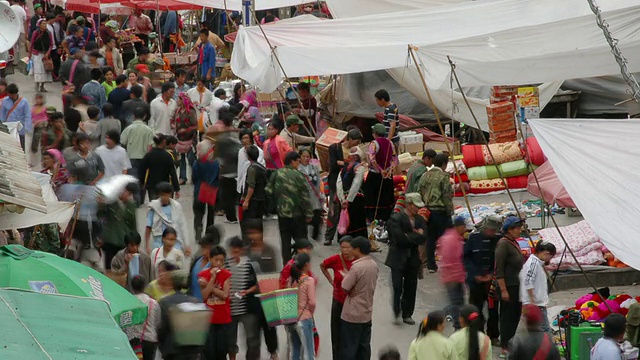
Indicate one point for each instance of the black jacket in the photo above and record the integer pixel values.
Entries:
(335, 155)
(403, 241)
(479, 255)
(160, 166)
(165, 332)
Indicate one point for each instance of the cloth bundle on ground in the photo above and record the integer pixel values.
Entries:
(509, 169)
(479, 155)
(533, 152)
(593, 308)
(584, 242)
(487, 186)
(462, 169)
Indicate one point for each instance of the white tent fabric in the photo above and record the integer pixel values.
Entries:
(595, 161)
(341, 9)
(500, 47)
(236, 5)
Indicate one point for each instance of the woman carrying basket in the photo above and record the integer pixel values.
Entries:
(301, 335)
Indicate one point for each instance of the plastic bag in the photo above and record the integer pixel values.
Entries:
(30, 67)
(343, 224)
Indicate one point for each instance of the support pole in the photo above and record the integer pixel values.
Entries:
(445, 137)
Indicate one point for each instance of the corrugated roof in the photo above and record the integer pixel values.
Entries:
(17, 185)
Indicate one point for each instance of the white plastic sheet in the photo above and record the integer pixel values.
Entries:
(596, 161)
(341, 9)
(236, 5)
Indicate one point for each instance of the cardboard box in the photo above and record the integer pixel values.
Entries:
(411, 139)
(331, 136)
(496, 127)
(500, 108)
(500, 91)
(440, 146)
(497, 99)
(405, 160)
(501, 118)
(412, 148)
(502, 136)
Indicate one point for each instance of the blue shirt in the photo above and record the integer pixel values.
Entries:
(96, 94)
(21, 113)
(208, 60)
(195, 287)
(181, 89)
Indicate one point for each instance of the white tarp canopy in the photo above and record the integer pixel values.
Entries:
(341, 9)
(236, 5)
(595, 159)
(493, 43)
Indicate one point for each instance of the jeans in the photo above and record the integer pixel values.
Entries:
(355, 341)
(290, 229)
(184, 158)
(438, 222)
(336, 312)
(250, 324)
(300, 338)
(404, 283)
(455, 293)
(510, 312)
(228, 196)
(545, 321)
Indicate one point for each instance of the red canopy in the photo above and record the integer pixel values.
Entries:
(551, 186)
(162, 5)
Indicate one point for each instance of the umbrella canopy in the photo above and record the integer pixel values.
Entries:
(42, 327)
(42, 272)
(551, 186)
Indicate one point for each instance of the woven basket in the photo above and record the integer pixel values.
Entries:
(119, 277)
(190, 328)
(268, 282)
(280, 307)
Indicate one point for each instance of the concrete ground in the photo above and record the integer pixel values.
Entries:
(430, 294)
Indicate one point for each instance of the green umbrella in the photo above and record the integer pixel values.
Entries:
(47, 273)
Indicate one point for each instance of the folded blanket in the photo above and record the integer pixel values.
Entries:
(503, 152)
(510, 169)
(487, 186)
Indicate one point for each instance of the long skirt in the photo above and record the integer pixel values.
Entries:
(379, 197)
(40, 75)
(357, 218)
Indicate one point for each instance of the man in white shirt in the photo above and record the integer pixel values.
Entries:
(113, 155)
(218, 102)
(162, 110)
(533, 280)
(20, 48)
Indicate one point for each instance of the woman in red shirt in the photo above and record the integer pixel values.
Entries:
(215, 283)
(340, 264)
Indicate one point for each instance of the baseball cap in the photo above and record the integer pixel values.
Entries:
(80, 19)
(459, 221)
(415, 199)
(293, 120)
(36, 6)
(492, 222)
(51, 110)
(143, 68)
(511, 222)
(532, 314)
(379, 129)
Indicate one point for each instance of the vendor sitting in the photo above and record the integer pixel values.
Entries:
(143, 58)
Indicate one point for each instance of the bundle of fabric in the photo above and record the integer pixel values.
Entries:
(491, 185)
(462, 169)
(509, 169)
(584, 242)
(464, 178)
(480, 155)
(534, 154)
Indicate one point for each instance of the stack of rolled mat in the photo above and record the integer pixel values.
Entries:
(534, 154)
(510, 169)
(479, 155)
(491, 185)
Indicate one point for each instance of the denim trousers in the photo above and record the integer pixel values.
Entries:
(184, 158)
(300, 338)
(455, 293)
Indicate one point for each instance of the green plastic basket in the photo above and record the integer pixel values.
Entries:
(280, 306)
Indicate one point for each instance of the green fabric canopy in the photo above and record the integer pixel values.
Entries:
(42, 272)
(39, 326)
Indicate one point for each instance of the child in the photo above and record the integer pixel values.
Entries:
(39, 121)
(109, 83)
(90, 126)
(469, 342)
(171, 143)
(301, 343)
(168, 251)
(302, 247)
(431, 343)
(163, 213)
(215, 284)
(244, 285)
(533, 280)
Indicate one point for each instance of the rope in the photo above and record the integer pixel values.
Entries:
(444, 136)
(555, 224)
(26, 328)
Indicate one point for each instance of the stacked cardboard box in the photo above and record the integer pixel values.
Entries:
(501, 114)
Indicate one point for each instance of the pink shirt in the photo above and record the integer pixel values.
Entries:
(450, 249)
(306, 298)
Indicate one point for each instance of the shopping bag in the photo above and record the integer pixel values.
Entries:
(208, 194)
(343, 224)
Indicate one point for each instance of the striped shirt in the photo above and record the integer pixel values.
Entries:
(391, 116)
(243, 276)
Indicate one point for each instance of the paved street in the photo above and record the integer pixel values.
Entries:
(430, 293)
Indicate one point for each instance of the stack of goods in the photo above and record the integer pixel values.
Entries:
(527, 208)
(501, 114)
(483, 174)
(410, 142)
(458, 182)
(533, 153)
(592, 306)
(584, 242)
